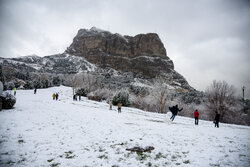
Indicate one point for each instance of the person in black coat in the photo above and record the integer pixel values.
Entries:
(174, 111)
(57, 96)
(217, 119)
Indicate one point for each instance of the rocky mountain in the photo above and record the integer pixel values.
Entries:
(116, 60)
(143, 54)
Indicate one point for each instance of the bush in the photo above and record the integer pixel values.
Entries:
(122, 97)
(81, 92)
(147, 103)
(99, 95)
(8, 100)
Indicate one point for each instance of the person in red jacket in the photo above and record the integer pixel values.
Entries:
(196, 117)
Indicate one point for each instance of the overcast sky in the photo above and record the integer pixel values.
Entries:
(206, 39)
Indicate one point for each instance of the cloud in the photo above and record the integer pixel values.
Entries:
(206, 39)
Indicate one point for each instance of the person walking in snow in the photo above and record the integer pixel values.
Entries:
(196, 117)
(171, 109)
(110, 105)
(54, 96)
(79, 97)
(14, 91)
(119, 107)
(174, 111)
(57, 96)
(217, 119)
(35, 91)
(75, 97)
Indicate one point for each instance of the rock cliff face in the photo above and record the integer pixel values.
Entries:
(143, 54)
(117, 61)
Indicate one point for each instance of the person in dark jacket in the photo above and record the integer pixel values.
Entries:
(57, 96)
(35, 91)
(217, 119)
(196, 117)
(75, 97)
(174, 111)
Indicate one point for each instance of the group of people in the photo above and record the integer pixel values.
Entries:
(75, 97)
(119, 106)
(174, 110)
(55, 96)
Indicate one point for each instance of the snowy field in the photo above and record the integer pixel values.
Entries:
(43, 132)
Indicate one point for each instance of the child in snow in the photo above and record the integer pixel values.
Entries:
(119, 107)
(196, 117)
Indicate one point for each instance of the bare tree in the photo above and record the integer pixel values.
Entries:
(220, 97)
(74, 81)
(161, 91)
(90, 82)
(44, 80)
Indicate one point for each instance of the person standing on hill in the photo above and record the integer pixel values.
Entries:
(196, 117)
(57, 96)
(119, 107)
(110, 105)
(75, 97)
(35, 91)
(217, 119)
(54, 96)
(14, 91)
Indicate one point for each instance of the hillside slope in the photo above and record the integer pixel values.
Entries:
(43, 132)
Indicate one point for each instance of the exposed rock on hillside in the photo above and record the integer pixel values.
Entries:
(118, 61)
(143, 54)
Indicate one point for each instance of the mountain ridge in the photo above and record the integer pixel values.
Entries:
(99, 52)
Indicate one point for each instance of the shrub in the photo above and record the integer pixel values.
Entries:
(8, 100)
(81, 92)
(99, 95)
(122, 97)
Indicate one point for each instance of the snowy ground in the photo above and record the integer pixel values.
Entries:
(43, 132)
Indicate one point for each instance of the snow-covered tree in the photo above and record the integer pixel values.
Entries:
(220, 98)
(74, 81)
(161, 91)
(123, 97)
(90, 82)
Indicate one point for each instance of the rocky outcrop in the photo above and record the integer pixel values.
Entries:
(143, 54)
(117, 61)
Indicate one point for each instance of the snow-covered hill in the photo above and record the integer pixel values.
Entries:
(43, 132)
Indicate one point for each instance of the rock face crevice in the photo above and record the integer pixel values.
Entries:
(142, 54)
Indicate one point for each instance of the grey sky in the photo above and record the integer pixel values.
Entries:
(206, 39)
